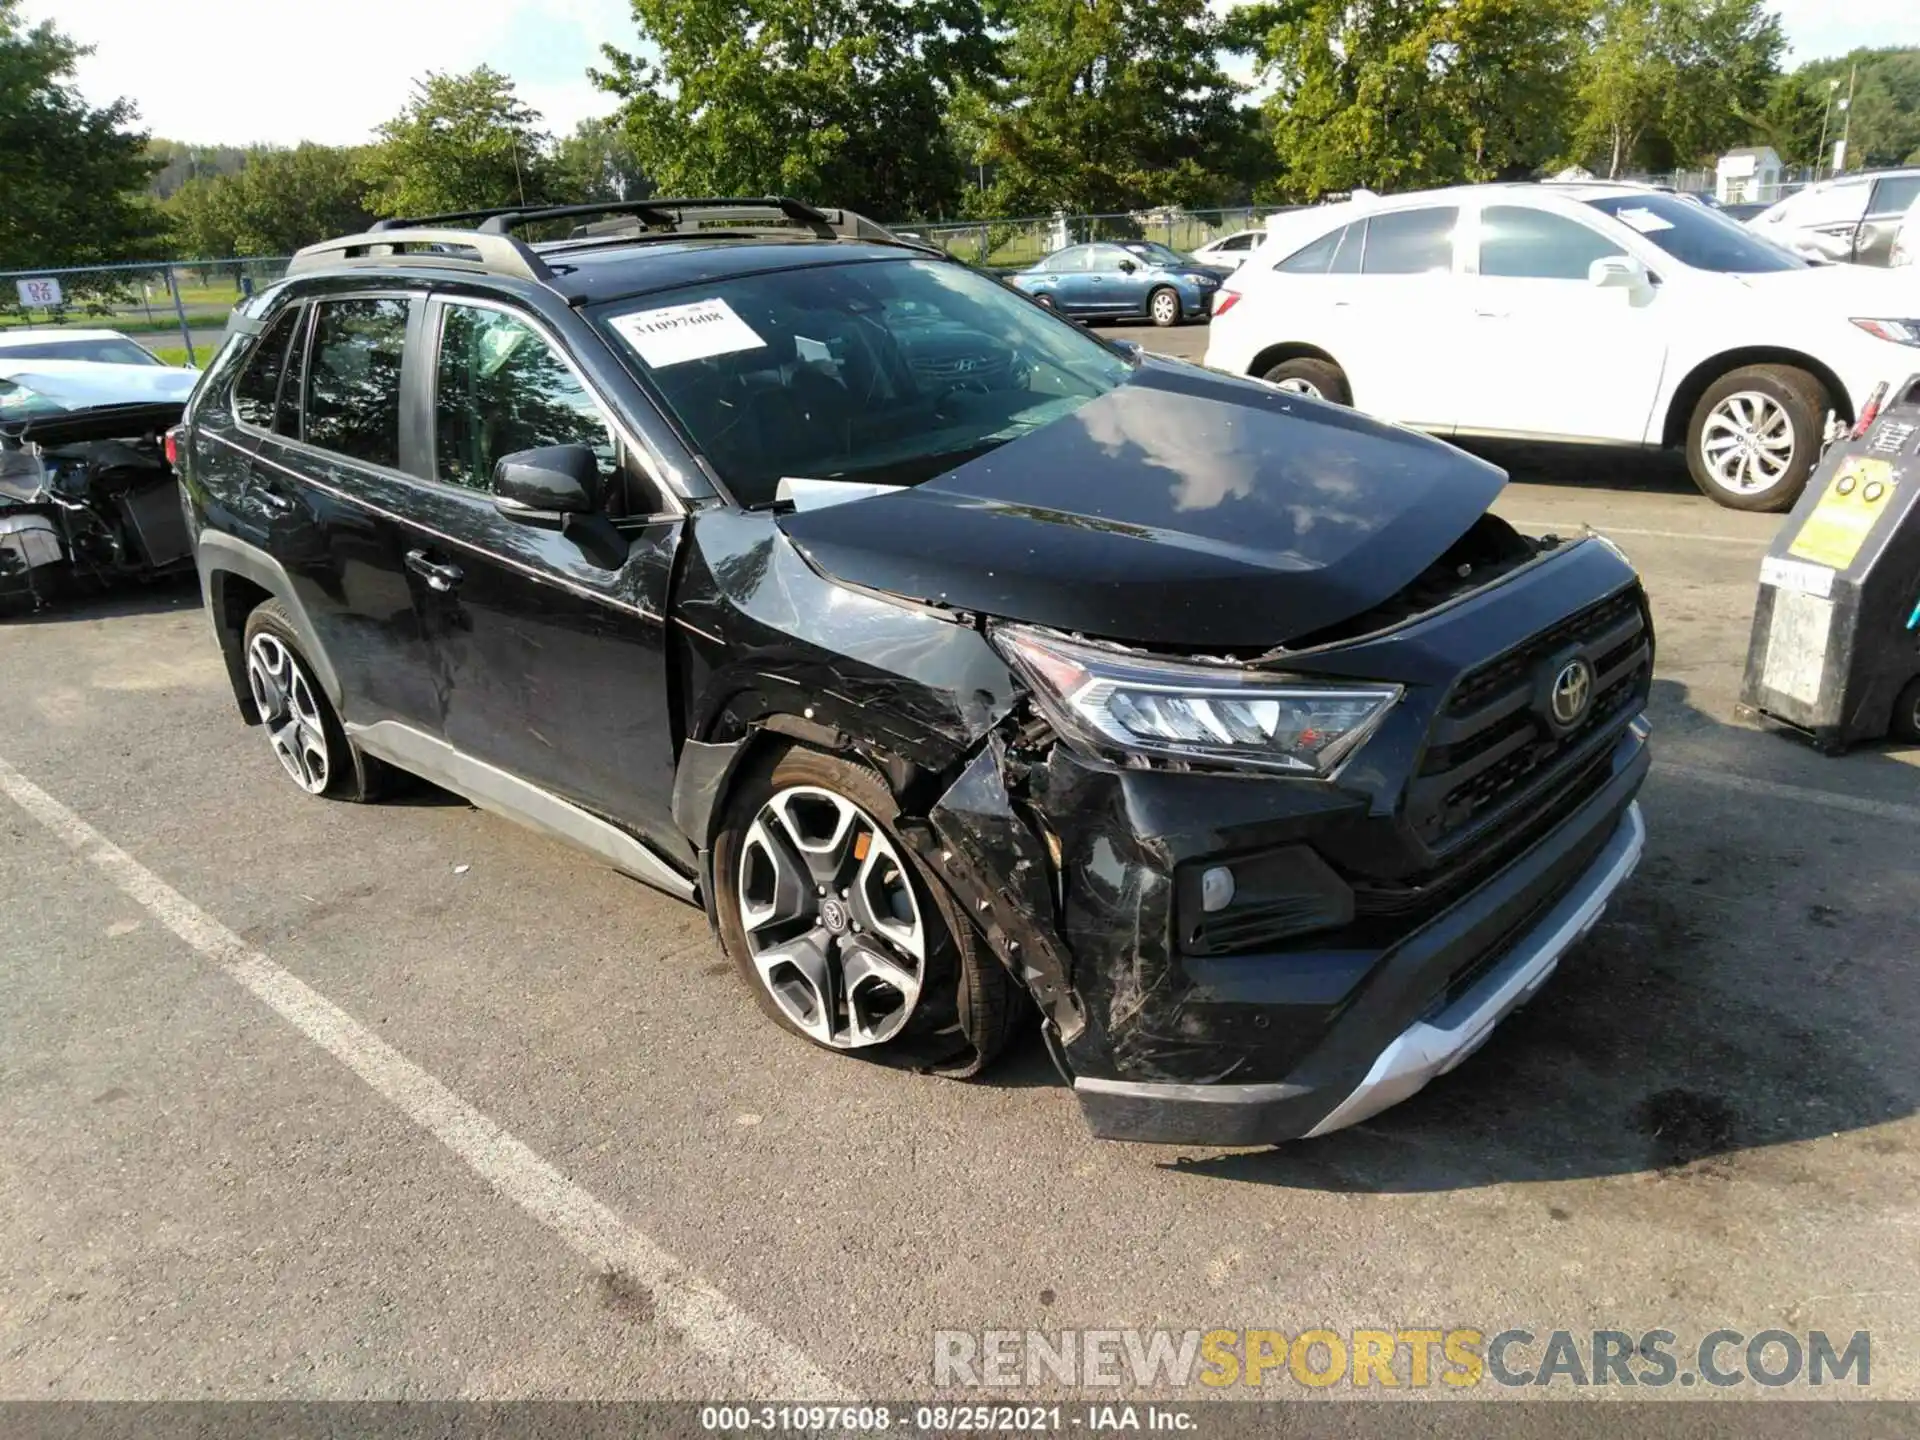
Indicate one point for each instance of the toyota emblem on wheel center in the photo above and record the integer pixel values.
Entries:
(1572, 692)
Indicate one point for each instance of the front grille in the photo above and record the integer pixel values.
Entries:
(1490, 748)
(988, 372)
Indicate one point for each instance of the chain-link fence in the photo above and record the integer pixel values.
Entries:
(178, 311)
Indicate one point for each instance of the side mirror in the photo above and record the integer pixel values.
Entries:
(1127, 267)
(551, 481)
(558, 487)
(1619, 272)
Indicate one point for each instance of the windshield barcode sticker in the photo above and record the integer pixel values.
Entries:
(676, 334)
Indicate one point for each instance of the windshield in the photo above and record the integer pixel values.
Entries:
(887, 372)
(1697, 236)
(1156, 252)
(107, 350)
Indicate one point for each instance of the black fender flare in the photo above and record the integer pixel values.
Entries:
(218, 555)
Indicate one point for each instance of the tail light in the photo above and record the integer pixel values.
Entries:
(1871, 410)
(1224, 300)
(172, 447)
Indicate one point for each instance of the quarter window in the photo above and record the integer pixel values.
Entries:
(1410, 242)
(353, 395)
(501, 388)
(256, 393)
(1312, 259)
(1893, 195)
(1520, 242)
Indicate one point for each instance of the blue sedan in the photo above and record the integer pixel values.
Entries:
(1124, 278)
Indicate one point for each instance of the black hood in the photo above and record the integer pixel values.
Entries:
(1184, 509)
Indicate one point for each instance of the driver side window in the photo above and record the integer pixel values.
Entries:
(499, 388)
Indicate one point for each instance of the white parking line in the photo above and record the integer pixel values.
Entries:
(755, 1357)
(1537, 525)
(1798, 794)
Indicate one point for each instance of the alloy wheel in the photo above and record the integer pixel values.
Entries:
(1747, 442)
(830, 918)
(1294, 385)
(1166, 308)
(283, 694)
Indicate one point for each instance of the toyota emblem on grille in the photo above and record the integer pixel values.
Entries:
(1572, 692)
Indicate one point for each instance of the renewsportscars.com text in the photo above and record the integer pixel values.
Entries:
(1415, 1358)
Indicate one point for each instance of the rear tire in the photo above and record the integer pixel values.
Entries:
(798, 814)
(1755, 435)
(1316, 379)
(1906, 715)
(304, 733)
(1163, 307)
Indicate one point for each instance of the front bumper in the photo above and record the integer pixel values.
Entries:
(1431, 1046)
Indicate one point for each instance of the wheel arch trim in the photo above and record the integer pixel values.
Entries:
(1678, 414)
(219, 555)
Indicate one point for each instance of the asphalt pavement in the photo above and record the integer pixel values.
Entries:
(310, 1100)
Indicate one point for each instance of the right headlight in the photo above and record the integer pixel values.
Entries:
(1114, 702)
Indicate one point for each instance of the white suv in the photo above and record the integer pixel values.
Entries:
(1600, 313)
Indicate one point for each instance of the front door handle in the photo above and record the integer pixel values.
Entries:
(438, 577)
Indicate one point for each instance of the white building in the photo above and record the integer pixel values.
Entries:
(1751, 173)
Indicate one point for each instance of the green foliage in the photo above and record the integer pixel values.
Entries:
(595, 162)
(277, 202)
(463, 142)
(834, 101)
(1886, 104)
(1404, 93)
(73, 176)
(1674, 82)
(1111, 105)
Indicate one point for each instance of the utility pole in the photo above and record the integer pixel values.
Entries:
(1846, 130)
(1820, 155)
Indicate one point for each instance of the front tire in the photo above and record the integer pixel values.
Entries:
(839, 933)
(304, 733)
(1163, 307)
(1316, 379)
(1906, 715)
(1755, 435)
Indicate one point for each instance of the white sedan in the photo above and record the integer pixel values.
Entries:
(1567, 312)
(1230, 250)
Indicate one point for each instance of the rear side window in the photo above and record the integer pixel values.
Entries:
(1410, 242)
(1893, 195)
(353, 392)
(1520, 242)
(1312, 259)
(501, 388)
(256, 394)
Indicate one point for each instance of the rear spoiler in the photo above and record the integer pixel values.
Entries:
(101, 422)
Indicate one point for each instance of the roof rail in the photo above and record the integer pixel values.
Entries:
(488, 252)
(691, 214)
(415, 222)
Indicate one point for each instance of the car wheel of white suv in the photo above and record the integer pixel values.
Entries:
(1755, 436)
(1317, 379)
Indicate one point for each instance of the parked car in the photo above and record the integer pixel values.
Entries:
(1566, 312)
(86, 490)
(1850, 219)
(1229, 252)
(1230, 734)
(1744, 210)
(1905, 249)
(96, 347)
(1121, 279)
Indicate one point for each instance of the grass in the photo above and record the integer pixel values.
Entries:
(177, 354)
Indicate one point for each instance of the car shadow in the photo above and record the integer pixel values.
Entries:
(1748, 988)
(1626, 468)
(89, 600)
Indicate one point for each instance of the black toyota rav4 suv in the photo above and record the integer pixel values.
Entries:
(963, 665)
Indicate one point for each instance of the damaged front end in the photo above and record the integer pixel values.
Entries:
(1236, 954)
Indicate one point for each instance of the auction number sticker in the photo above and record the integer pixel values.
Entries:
(1860, 491)
(675, 334)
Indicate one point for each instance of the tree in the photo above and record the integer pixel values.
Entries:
(596, 162)
(1405, 93)
(1112, 105)
(1674, 82)
(840, 102)
(278, 201)
(1886, 104)
(73, 176)
(463, 142)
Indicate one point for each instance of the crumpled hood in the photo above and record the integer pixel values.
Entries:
(1185, 509)
(82, 384)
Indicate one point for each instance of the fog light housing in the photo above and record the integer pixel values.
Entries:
(1216, 888)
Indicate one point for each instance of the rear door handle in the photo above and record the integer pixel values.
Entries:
(438, 576)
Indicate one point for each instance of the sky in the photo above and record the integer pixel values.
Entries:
(281, 71)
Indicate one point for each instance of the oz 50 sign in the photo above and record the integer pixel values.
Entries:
(39, 294)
